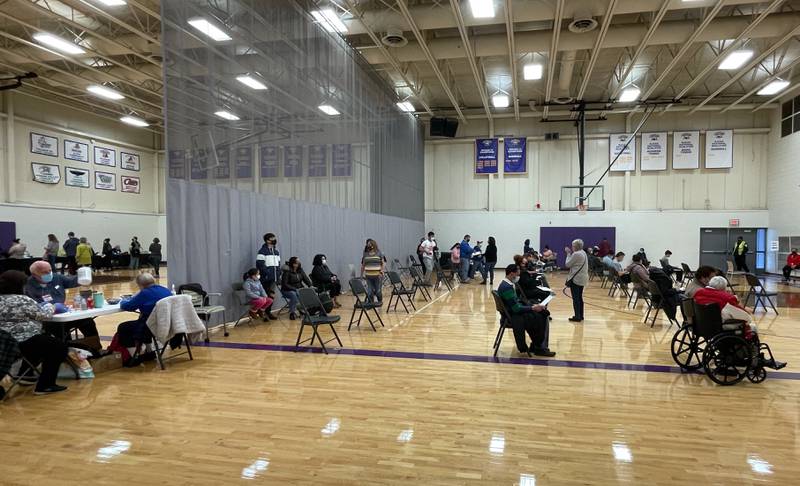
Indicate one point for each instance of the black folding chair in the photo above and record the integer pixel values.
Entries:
(314, 315)
(441, 276)
(420, 284)
(202, 304)
(656, 303)
(14, 355)
(505, 321)
(639, 291)
(363, 304)
(398, 292)
(760, 293)
(616, 284)
(241, 299)
(688, 274)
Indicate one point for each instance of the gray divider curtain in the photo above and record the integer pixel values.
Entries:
(217, 231)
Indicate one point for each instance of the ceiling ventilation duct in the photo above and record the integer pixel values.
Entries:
(394, 37)
(582, 22)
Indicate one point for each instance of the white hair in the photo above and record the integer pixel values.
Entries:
(145, 280)
(718, 283)
(577, 244)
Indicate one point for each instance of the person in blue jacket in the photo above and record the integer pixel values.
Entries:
(466, 258)
(268, 263)
(132, 333)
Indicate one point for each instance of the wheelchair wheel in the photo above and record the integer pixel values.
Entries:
(687, 349)
(727, 359)
(757, 374)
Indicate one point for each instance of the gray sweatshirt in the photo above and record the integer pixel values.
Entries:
(253, 289)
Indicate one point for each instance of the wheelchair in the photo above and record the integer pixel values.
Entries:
(727, 356)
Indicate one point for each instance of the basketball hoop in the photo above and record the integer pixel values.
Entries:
(582, 208)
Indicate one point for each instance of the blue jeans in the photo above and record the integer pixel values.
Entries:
(489, 270)
(374, 288)
(464, 273)
(292, 298)
(52, 260)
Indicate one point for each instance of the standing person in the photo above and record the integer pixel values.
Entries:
(466, 259)
(293, 278)
(373, 266)
(84, 253)
(478, 263)
(21, 317)
(51, 250)
(491, 259)
(17, 249)
(577, 263)
(455, 258)
(792, 263)
(70, 248)
(256, 295)
(427, 247)
(135, 252)
(740, 251)
(107, 253)
(419, 252)
(155, 256)
(526, 247)
(604, 248)
(268, 263)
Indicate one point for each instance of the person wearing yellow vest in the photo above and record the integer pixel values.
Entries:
(740, 251)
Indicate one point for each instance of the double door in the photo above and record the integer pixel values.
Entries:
(716, 246)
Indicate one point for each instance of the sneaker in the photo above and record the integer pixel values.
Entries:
(253, 315)
(292, 316)
(48, 390)
(544, 352)
(574, 319)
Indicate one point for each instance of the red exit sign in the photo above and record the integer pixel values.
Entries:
(733, 223)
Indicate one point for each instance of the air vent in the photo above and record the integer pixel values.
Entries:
(394, 37)
(582, 24)
(562, 100)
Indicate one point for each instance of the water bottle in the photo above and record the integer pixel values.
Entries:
(76, 302)
(173, 289)
(84, 305)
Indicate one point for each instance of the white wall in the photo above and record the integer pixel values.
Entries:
(783, 179)
(39, 209)
(655, 231)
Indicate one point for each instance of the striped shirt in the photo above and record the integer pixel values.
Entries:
(373, 263)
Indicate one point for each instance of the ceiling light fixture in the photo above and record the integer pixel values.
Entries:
(104, 92)
(208, 29)
(631, 93)
(532, 71)
(774, 87)
(329, 110)
(735, 60)
(226, 115)
(482, 9)
(57, 43)
(500, 100)
(329, 20)
(113, 3)
(134, 121)
(406, 106)
(251, 82)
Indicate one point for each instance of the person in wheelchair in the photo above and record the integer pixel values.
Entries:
(734, 316)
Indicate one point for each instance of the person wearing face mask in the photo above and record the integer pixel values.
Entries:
(293, 278)
(530, 319)
(47, 287)
(466, 259)
(268, 263)
(325, 280)
(259, 300)
(373, 266)
(792, 263)
(426, 249)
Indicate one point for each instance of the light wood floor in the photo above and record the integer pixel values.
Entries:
(301, 418)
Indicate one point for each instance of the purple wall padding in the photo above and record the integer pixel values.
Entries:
(8, 232)
(559, 237)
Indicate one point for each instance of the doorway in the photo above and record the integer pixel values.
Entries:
(716, 246)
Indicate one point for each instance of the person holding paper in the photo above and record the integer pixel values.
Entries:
(530, 319)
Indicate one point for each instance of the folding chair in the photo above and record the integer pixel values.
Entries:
(656, 303)
(639, 291)
(314, 315)
(420, 284)
(688, 274)
(178, 339)
(398, 292)
(758, 291)
(616, 284)
(441, 276)
(12, 356)
(201, 301)
(363, 304)
(505, 321)
(241, 299)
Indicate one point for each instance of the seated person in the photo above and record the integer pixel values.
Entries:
(614, 262)
(529, 281)
(643, 256)
(669, 269)
(701, 278)
(792, 263)
(325, 280)
(531, 319)
(47, 287)
(20, 317)
(132, 334)
(256, 295)
(637, 268)
(293, 278)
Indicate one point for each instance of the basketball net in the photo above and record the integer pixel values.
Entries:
(582, 208)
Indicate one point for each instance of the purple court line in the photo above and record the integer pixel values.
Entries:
(475, 358)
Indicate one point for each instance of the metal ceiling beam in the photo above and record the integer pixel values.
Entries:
(512, 55)
(392, 61)
(735, 44)
(552, 54)
(401, 4)
(598, 45)
(99, 11)
(470, 55)
(765, 82)
(685, 48)
(642, 46)
(751, 65)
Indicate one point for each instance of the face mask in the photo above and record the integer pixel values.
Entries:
(515, 279)
(324, 261)
(47, 277)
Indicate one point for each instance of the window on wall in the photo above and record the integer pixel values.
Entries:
(790, 117)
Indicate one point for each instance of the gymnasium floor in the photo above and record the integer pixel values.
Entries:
(419, 402)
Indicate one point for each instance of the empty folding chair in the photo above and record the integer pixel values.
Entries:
(688, 274)
(314, 315)
(202, 304)
(362, 304)
(420, 284)
(759, 293)
(441, 276)
(398, 292)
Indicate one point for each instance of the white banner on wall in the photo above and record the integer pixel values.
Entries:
(44, 145)
(654, 151)
(105, 156)
(46, 173)
(105, 181)
(686, 150)
(130, 184)
(76, 151)
(129, 161)
(719, 149)
(627, 160)
(75, 177)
